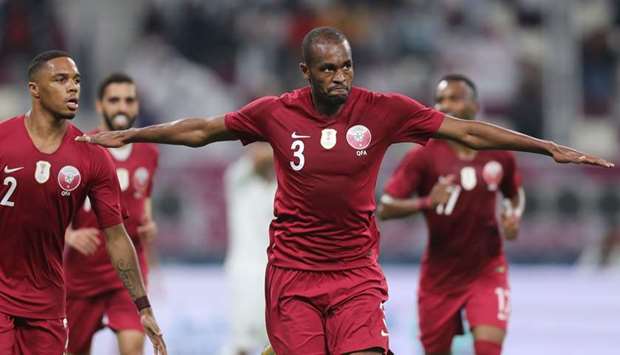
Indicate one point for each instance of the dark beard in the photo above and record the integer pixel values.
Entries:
(109, 121)
(333, 102)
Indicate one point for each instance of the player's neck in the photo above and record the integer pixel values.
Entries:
(463, 152)
(326, 108)
(45, 130)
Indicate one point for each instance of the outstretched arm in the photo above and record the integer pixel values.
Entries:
(192, 132)
(125, 261)
(482, 135)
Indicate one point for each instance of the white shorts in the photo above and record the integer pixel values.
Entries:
(247, 290)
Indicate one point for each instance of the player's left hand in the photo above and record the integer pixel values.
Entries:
(510, 222)
(110, 139)
(153, 332)
(147, 230)
(563, 155)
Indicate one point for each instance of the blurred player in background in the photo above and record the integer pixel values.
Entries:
(324, 287)
(250, 188)
(94, 290)
(464, 268)
(46, 177)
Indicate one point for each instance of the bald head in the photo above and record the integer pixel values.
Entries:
(319, 36)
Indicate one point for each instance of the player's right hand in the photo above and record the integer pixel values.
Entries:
(110, 139)
(84, 240)
(440, 193)
(153, 332)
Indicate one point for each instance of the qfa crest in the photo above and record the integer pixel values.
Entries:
(141, 181)
(492, 173)
(69, 179)
(359, 137)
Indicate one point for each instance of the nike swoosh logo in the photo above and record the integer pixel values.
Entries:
(296, 136)
(8, 171)
(383, 333)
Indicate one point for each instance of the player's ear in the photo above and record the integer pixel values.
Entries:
(305, 70)
(33, 87)
(98, 107)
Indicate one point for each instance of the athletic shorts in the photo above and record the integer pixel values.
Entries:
(86, 316)
(333, 312)
(485, 302)
(28, 336)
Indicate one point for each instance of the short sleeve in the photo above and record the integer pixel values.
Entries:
(249, 123)
(407, 177)
(414, 122)
(105, 192)
(512, 179)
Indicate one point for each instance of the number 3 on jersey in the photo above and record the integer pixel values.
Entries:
(298, 155)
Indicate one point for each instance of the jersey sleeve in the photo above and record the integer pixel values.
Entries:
(407, 177)
(105, 192)
(414, 122)
(511, 181)
(250, 122)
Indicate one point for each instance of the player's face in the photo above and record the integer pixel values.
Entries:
(119, 106)
(456, 99)
(57, 87)
(331, 72)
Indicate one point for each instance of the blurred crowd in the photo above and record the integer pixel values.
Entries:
(548, 68)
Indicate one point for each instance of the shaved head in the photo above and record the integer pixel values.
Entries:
(320, 35)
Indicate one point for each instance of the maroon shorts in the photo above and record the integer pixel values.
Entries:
(327, 312)
(86, 316)
(27, 336)
(485, 302)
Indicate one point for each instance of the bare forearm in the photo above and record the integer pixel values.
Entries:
(125, 261)
(391, 208)
(193, 132)
(482, 135)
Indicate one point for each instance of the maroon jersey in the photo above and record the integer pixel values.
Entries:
(93, 274)
(327, 169)
(464, 235)
(39, 195)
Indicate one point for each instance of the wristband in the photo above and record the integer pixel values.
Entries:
(142, 303)
(423, 203)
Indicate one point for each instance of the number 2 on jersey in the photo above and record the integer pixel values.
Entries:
(11, 182)
(298, 154)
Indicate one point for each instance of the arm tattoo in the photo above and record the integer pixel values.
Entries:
(129, 275)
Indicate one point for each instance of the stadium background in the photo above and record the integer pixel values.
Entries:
(545, 67)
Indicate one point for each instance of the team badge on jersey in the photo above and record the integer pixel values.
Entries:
(468, 178)
(328, 138)
(492, 173)
(69, 178)
(359, 137)
(42, 171)
(140, 181)
(123, 178)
